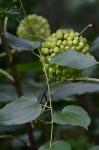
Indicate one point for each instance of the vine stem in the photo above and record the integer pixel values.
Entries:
(47, 81)
(50, 100)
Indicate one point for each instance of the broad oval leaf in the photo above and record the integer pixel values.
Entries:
(57, 145)
(21, 44)
(77, 88)
(74, 59)
(20, 111)
(72, 115)
(95, 148)
(95, 48)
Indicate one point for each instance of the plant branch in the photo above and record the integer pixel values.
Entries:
(17, 83)
(32, 145)
(11, 136)
(12, 65)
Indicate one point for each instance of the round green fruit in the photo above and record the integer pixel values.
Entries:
(33, 27)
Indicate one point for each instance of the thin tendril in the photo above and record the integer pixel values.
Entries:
(88, 26)
(50, 100)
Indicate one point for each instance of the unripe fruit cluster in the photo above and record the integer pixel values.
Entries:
(33, 27)
(62, 40)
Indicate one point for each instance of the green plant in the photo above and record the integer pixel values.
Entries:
(64, 55)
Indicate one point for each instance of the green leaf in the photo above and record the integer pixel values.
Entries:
(74, 59)
(95, 44)
(95, 148)
(29, 86)
(72, 115)
(61, 91)
(57, 145)
(20, 111)
(21, 44)
(7, 92)
(12, 14)
(95, 48)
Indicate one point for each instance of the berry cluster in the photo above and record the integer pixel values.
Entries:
(33, 27)
(62, 40)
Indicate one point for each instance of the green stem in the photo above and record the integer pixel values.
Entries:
(12, 65)
(50, 100)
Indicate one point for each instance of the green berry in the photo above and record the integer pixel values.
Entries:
(53, 44)
(85, 49)
(50, 70)
(76, 33)
(72, 35)
(56, 50)
(48, 58)
(59, 42)
(65, 36)
(70, 38)
(78, 48)
(75, 42)
(53, 35)
(62, 47)
(81, 44)
(59, 35)
(70, 43)
(76, 38)
(64, 42)
(54, 39)
(73, 47)
(53, 54)
(51, 51)
(43, 58)
(45, 51)
(67, 47)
